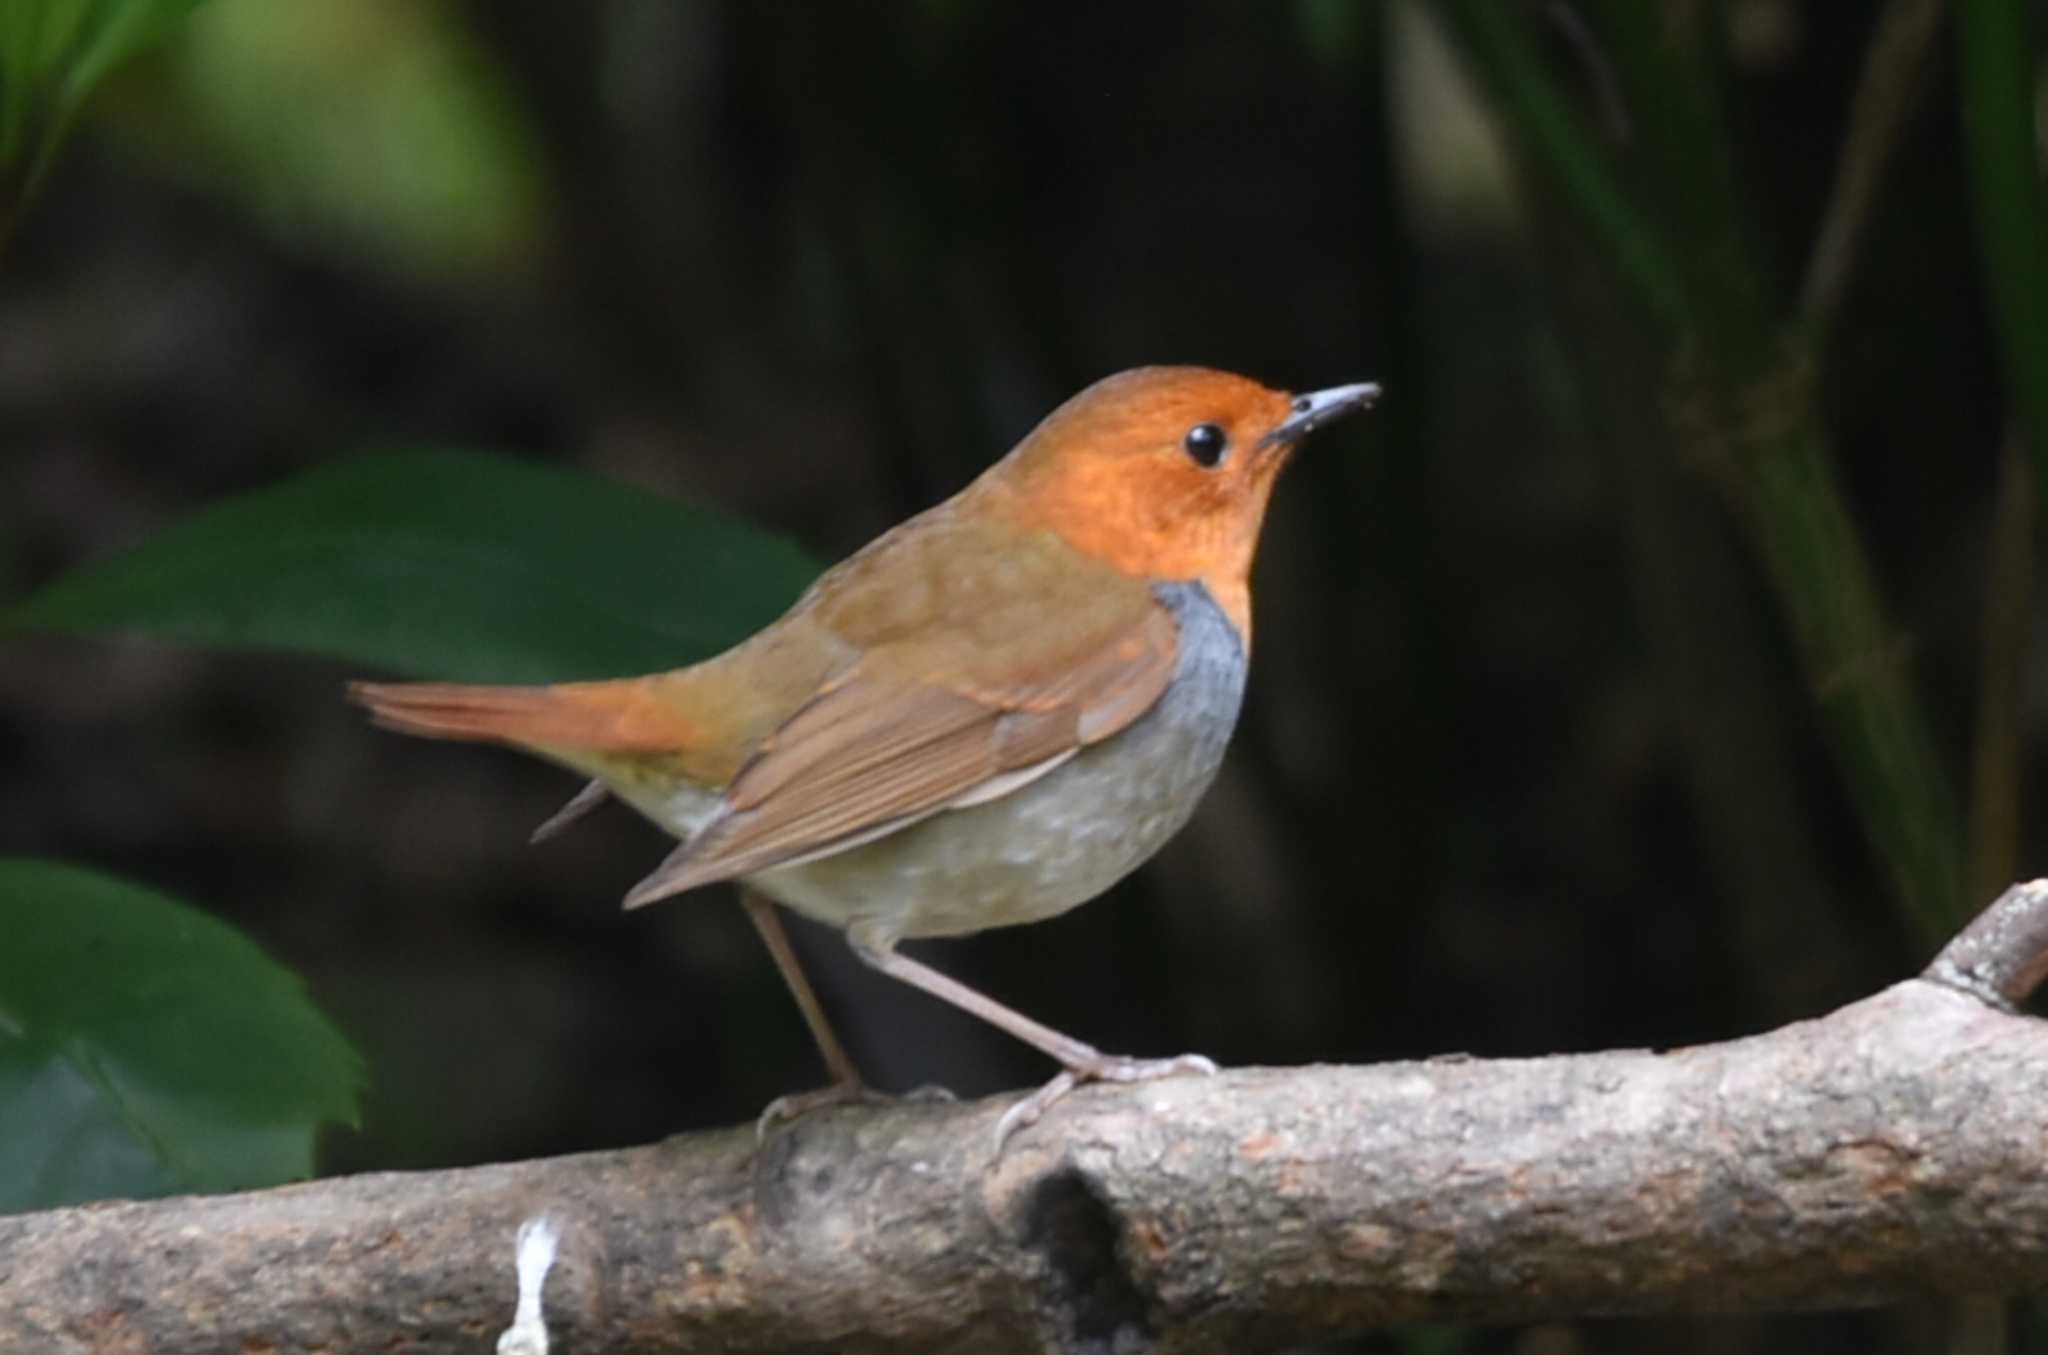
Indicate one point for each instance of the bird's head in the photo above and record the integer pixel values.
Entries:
(1164, 472)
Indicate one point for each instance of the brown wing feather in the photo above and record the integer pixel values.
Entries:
(878, 749)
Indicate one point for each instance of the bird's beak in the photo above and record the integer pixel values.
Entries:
(1313, 410)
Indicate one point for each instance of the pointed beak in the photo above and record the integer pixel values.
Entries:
(1313, 410)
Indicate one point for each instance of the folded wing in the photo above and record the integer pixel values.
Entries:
(1036, 655)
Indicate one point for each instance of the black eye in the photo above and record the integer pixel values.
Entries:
(1206, 443)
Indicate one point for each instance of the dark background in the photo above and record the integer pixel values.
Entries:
(1531, 760)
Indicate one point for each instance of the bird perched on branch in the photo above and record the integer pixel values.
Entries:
(988, 715)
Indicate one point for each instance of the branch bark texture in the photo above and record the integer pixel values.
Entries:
(1897, 1147)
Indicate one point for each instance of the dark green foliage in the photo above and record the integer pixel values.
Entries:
(443, 564)
(53, 55)
(148, 1049)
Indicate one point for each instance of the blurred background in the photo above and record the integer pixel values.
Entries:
(1649, 669)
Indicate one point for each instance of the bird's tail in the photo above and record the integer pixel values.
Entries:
(622, 716)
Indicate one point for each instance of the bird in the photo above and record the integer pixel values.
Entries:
(985, 717)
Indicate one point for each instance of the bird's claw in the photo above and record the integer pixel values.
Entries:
(1107, 1068)
(1027, 1111)
(1145, 1070)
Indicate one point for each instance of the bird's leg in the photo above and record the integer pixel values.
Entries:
(846, 1084)
(1081, 1062)
(761, 911)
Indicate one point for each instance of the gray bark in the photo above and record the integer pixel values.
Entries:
(1897, 1147)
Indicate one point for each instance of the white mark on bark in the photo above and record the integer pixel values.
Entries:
(528, 1334)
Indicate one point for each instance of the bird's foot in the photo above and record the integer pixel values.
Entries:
(1100, 1068)
(798, 1104)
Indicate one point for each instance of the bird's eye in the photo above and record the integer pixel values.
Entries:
(1206, 443)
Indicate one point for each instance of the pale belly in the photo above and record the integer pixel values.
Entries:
(1059, 840)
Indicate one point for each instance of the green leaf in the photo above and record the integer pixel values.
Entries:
(147, 1049)
(347, 127)
(111, 31)
(53, 55)
(447, 565)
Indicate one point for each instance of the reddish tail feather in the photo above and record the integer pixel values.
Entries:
(622, 716)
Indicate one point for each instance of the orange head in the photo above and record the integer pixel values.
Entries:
(1163, 472)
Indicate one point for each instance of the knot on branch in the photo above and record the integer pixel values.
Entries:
(1098, 1305)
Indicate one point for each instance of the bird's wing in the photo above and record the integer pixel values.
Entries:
(982, 664)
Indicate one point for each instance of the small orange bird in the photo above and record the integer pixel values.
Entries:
(988, 715)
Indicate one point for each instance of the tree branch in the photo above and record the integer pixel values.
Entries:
(1892, 1148)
